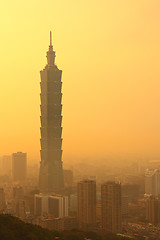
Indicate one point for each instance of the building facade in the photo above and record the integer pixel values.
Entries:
(40, 204)
(111, 207)
(86, 196)
(58, 206)
(51, 170)
(125, 209)
(55, 206)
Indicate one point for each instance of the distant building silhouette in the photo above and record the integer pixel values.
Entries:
(86, 196)
(51, 171)
(19, 167)
(111, 207)
(131, 190)
(152, 182)
(18, 193)
(7, 165)
(73, 204)
(68, 177)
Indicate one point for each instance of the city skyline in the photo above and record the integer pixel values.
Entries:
(79, 132)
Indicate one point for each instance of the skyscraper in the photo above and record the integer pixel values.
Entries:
(19, 167)
(111, 207)
(51, 171)
(86, 191)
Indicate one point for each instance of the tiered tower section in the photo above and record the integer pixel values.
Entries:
(51, 170)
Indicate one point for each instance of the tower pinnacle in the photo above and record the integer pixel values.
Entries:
(50, 38)
(50, 54)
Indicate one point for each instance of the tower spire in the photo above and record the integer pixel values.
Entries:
(50, 38)
(50, 53)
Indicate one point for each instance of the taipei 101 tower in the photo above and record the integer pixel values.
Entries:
(51, 170)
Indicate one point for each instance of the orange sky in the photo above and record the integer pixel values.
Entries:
(109, 52)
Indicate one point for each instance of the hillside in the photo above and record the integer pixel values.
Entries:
(12, 228)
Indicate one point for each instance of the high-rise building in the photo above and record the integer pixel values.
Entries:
(50, 205)
(86, 196)
(58, 206)
(40, 204)
(51, 171)
(19, 167)
(125, 209)
(152, 182)
(18, 203)
(111, 207)
(99, 211)
(153, 210)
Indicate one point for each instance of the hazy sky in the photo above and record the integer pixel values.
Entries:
(109, 51)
